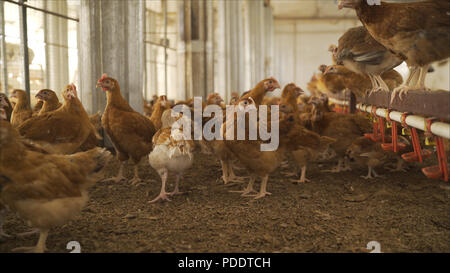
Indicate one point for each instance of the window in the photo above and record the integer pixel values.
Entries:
(160, 41)
(52, 44)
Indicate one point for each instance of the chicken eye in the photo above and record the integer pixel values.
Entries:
(107, 81)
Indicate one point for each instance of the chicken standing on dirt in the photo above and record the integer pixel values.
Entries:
(418, 32)
(262, 163)
(172, 153)
(366, 152)
(301, 154)
(46, 190)
(130, 132)
(220, 147)
(22, 111)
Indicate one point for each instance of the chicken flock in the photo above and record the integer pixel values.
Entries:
(52, 153)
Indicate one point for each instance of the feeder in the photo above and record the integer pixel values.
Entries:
(418, 155)
(441, 170)
(394, 146)
(378, 127)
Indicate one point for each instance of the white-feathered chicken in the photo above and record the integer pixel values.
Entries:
(172, 152)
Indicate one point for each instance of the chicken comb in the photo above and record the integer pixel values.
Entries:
(104, 76)
(73, 88)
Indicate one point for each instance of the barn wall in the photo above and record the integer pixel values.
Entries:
(300, 46)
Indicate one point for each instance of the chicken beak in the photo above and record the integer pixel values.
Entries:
(341, 5)
(39, 96)
(99, 84)
(70, 94)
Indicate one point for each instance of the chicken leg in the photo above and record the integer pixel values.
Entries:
(369, 174)
(39, 248)
(228, 173)
(262, 192)
(176, 190)
(119, 176)
(303, 178)
(421, 82)
(336, 169)
(249, 187)
(398, 167)
(163, 194)
(136, 179)
(382, 86)
(232, 176)
(375, 86)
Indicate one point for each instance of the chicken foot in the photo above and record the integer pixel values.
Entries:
(382, 86)
(408, 85)
(228, 173)
(163, 194)
(119, 176)
(28, 233)
(375, 85)
(249, 187)
(284, 164)
(262, 192)
(303, 178)
(370, 173)
(289, 174)
(39, 248)
(336, 169)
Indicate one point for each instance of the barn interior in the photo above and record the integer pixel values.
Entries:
(164, 53)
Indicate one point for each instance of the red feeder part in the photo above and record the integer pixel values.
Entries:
(440, 171)
(391, 147)
(418, 154)
(375, 136)
(394, 145)
(413, 157)
(434, 172)
(381, 128)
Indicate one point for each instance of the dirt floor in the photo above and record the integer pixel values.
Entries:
(404, 212)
